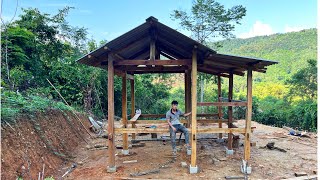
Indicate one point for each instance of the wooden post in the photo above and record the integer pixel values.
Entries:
(219, 107)
(152, 49)
(133, 136)
(187, 80)
(248, 116)
(124, 111)
(230, 110)
(111, 145)
(194, 109)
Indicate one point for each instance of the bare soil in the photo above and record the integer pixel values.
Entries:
(44, 139)
(301, 156)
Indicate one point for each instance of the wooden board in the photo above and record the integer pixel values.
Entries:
(124, 110)
(166, 130)
(230, 97)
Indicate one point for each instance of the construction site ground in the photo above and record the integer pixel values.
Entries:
(300, 156)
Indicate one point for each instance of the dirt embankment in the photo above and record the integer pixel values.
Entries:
(41, 140)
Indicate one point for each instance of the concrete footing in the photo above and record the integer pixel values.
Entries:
(125, 152)
(189, 152)
(229, 151)
(245, 169)
(220, 140)
(111, 169)
(193, 170)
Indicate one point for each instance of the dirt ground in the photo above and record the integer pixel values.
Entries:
(300, 156)
(43, 140)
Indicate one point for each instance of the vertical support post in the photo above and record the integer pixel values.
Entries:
(248, 116)
(219, 107)
(124, 113)
(152, 49)
(187, 80)
(193, 166)
(133, 136)
(230, 110)
(111, 145)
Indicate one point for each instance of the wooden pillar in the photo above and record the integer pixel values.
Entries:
(187, 82)
(111, 145)
(124, 110)
(152, 49)
(248, 116)
(230, 110)
(219, 107)
(133, 136)
(194, 109)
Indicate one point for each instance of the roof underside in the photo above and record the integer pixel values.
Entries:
(169, 44)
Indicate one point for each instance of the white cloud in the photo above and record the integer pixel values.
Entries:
(292, 29)
(258, 29)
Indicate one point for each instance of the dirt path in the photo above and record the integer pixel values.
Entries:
(301, 155)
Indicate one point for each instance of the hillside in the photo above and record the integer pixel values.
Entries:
(291, 50)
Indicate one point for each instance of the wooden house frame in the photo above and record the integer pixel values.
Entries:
(138, 51)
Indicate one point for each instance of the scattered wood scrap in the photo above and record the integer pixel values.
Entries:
(132, 161)
(271, 146)
(298, 174)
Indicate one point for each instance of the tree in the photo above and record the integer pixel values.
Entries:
(209, 19)
(304, 82)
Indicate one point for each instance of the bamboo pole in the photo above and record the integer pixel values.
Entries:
(69, 107)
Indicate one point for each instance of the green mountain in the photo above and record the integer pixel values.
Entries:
(291, 50)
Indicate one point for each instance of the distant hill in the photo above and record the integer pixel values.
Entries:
(291, 50)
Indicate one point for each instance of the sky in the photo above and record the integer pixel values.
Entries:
(106, 20)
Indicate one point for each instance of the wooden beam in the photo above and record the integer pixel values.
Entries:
(151, 69)
(124, 110)
(133, 136)
(222, 104)
(194, 108)
(205, 121)
(222, 69)
(123, 74)
(211, 72)
(248, 116)
(155, 62)
(166, 130)
(219, 107)
(111, 137)
(230, 97)
(164, 115)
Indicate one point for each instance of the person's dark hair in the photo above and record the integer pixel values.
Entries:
(174, 103)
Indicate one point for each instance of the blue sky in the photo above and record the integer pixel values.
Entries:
(109, 19)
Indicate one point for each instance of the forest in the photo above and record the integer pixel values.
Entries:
(38, 47)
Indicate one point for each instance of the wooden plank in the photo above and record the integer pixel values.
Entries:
(111, 137)
(155, 62)
(194, 108)
(219, 107)
(164, 115)
(124, 110)
(133, 136)
(222, 104)
(248, 116)
(157, 71)
(135, 117)
(230, 97)
(166, 130)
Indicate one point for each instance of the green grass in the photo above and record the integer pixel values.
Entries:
(14, 104)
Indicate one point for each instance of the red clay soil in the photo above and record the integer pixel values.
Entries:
(48, 138)
(300, 156)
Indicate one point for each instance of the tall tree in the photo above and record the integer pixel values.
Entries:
(209, 19)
